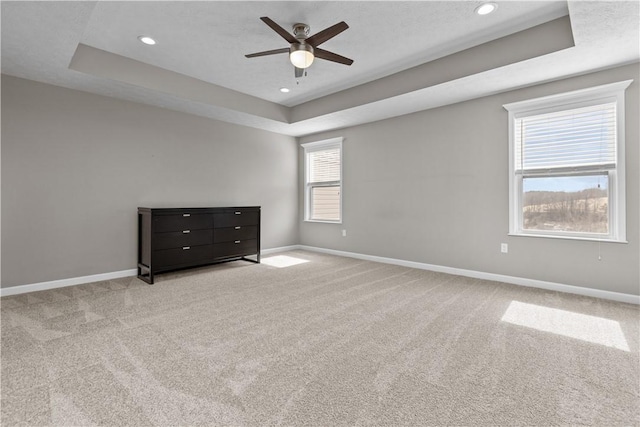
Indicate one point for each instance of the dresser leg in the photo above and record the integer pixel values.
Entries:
(257, 260)
(145, 277)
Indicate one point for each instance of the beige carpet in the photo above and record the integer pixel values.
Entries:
(332, 341)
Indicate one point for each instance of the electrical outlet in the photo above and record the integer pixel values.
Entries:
(504, 248)
(344, 233)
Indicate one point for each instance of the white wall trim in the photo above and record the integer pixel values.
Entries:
(574, 96)
(521, 281)
(62, 283)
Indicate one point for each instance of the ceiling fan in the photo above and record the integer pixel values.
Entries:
(304, 49)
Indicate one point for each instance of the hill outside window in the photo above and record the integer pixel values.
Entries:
(323, 181)
(566, 165)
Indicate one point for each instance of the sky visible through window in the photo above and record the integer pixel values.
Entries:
(565, 183)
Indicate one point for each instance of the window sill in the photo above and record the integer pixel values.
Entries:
(549, 236)
(323, 221)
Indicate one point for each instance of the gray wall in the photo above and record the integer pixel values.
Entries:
(432, 187)
(428, 187)
(75, 167)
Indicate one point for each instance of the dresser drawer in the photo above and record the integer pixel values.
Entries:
(238, 232)
(178, 239)
(235, 248)
(183, 221)
(186, 255)
(235, 218)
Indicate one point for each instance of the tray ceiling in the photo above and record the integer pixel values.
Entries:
(408, 55)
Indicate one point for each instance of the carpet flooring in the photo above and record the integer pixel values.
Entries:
(323, 341)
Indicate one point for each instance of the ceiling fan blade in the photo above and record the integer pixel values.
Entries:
(278, 29)
(299, 72)
(330, 56)
(268, 52)
(326, 34)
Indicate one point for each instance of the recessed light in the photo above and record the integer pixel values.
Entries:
(486, 8)
(147, 40)
(284, 90)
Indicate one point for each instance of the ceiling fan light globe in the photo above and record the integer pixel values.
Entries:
(301, 56)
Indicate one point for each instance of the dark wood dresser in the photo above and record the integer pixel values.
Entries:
(177, 238)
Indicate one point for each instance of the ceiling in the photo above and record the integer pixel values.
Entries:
(408, 56)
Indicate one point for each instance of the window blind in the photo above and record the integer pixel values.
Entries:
(324, 165)
(567, 140)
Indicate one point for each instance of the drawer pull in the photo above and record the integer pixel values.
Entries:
(186, 231)
(186, 248)
(238, 213)
(186, 214)
(237, 228)
(237, 241)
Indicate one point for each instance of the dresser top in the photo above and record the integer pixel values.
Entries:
(200, 209)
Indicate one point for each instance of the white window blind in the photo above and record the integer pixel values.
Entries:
(324, 166)
(567, 140)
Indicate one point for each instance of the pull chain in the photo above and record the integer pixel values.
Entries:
(599, 252)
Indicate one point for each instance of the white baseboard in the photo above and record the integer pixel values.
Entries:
(521, 281)
(62, 283)
(280, 249)
(43, 286)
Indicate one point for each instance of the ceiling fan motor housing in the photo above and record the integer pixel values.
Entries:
(301, 53)
(301, 31)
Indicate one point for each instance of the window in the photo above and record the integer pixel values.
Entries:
(323, 180)
(566, 165)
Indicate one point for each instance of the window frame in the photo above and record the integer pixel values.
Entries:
(608, 93)
(311, 147)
